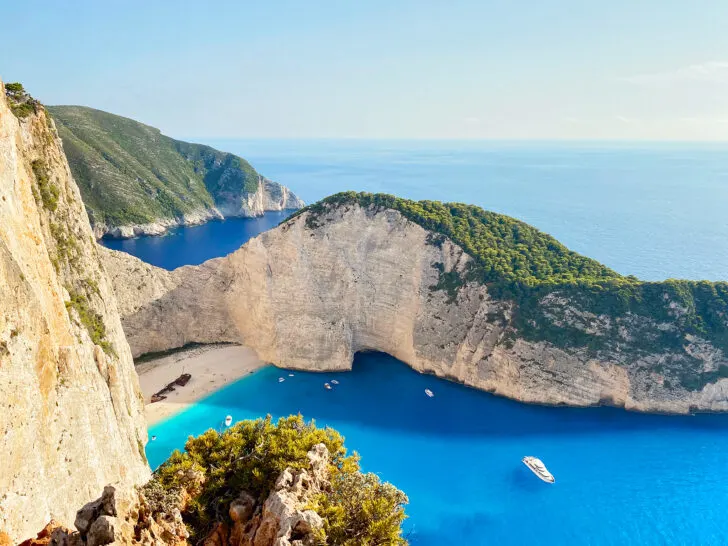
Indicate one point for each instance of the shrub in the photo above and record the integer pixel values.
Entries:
(90, 319)
(250, 456)
(47, 190)
(21, 103)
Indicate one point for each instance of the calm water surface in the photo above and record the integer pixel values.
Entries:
(622, 478)
(192, 245)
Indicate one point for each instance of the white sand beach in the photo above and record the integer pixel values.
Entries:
(211, 367)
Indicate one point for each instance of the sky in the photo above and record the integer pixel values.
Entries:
(390, 69)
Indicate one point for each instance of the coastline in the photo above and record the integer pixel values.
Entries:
(211, 367)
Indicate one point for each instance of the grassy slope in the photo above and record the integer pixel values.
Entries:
(521, 263)
(129, 172)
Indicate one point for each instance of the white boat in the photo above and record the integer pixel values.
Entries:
(290, 375)
(228, 420)
(334, 382)
(538, 468)
(327, 386)
(281, 379)
(429, 393)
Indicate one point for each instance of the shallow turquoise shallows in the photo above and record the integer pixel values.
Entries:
(621, 478)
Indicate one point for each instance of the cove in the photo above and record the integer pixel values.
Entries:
(621, 477)
(192, 245)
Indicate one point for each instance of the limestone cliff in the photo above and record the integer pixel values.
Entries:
(317, 289)
(71, 416)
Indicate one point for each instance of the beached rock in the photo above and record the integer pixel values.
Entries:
(312, 292)
(71, 416)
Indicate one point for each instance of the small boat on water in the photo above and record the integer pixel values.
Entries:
(281, 379)
(290, 375)
(538, 468)
(327, 386)
(228, 420)
(334, 382)
(429, 393)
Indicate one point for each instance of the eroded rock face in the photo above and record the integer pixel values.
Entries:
(70, 411)
(314, 291)
(120, 517)
(283, 519)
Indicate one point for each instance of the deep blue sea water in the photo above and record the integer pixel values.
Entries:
(192, 245)
(621, 478)
(655, 211)
(651, 210)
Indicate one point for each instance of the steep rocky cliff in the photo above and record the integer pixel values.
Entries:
(346, 277)
(136, 181)
(70, 411)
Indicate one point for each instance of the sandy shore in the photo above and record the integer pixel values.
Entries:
(211, 367)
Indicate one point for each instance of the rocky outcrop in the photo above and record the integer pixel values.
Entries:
(122, 517)
(314, 291)
(151, 516)
(70, 410)
(283, 519)
(270, 196)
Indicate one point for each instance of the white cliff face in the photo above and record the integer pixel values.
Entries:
(71, 416)
(355, 279)
(270, 196)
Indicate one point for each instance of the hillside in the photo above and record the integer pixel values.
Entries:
(450, 289)
(135, 180)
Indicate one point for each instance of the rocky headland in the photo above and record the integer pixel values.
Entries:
(136, 181)
(361, 273)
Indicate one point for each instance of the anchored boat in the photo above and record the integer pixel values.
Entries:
(538, 468)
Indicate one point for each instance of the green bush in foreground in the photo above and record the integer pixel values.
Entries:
(358, 509)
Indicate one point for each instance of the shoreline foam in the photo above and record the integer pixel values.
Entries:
(211, 366)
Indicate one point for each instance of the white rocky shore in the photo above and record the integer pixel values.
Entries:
(269, 197)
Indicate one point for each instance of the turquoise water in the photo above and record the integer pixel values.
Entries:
(621, 478)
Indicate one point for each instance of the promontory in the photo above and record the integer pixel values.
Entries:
(450, 289)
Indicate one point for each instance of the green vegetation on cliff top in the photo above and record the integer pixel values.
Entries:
(518, 262)
(20, 102)
(130, 173)
(357, 509)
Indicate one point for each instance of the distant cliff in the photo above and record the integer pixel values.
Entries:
(135, 180)
(517, 314)
(70, 408)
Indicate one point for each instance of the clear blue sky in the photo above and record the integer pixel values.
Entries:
(529, 69)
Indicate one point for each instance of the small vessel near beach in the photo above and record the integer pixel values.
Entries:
(537, 467)
(429, 393)
(228, 420)
(281, 379)
(327, 386)
(334, 382)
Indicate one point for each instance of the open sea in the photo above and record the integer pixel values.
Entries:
(655, 211)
